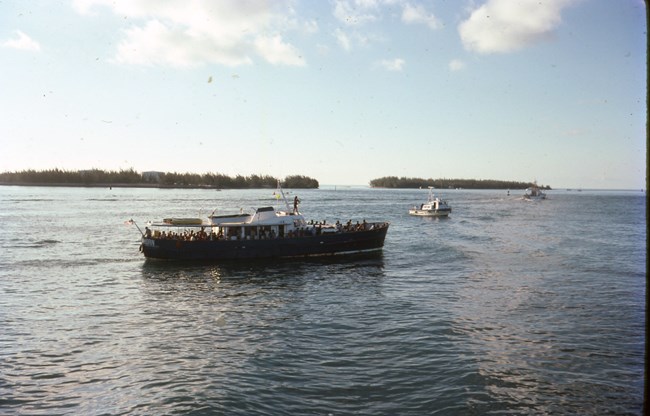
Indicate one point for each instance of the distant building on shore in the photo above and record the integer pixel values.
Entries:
(152, 176)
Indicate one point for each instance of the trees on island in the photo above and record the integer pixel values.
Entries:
(130, 177)
(162, 179)
(60, 176)
(404, 182)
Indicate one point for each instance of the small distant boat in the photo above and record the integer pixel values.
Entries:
(534, 193)
(434, 207)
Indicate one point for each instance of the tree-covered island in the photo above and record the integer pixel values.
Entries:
(151, 179)
(403, 182)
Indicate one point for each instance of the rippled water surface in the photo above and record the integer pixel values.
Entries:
(506, 307)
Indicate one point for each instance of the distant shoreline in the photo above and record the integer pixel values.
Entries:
(112, 185)
(152, 179)
(158, 186)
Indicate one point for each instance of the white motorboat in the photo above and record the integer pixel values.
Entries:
(434, 207)
(534, 193)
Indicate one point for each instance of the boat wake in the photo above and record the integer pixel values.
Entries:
(36, 244)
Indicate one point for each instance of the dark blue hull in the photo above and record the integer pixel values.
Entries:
(319, 245)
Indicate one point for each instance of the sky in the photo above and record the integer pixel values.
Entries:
(343, 91)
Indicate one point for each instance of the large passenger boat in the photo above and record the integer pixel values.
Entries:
(266, 233)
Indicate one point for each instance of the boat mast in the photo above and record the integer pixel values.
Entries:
(284, 198)
(136, 225)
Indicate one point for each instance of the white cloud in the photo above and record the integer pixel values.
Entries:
(276, 51)
(343, 39)
(394, 65)
(22, 42)
(349, 40)
(186, 33)
(360, 12)
(157, 44)
(355, 12)
(509, 25)
(456, 65)
(418, 14)
(310, 26)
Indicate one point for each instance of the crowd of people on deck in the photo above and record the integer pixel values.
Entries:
(187, 235)
(258, 232)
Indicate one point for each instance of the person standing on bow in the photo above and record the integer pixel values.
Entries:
(296, 201)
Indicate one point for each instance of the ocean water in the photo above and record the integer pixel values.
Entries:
(505, 307)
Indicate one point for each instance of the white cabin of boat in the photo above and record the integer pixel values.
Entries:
(433, 207)
(534, 192)
(265, 223)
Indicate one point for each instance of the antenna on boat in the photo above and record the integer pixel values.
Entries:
(284, 198)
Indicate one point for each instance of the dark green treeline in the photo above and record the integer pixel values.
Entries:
(130, 177)
(403, 182)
